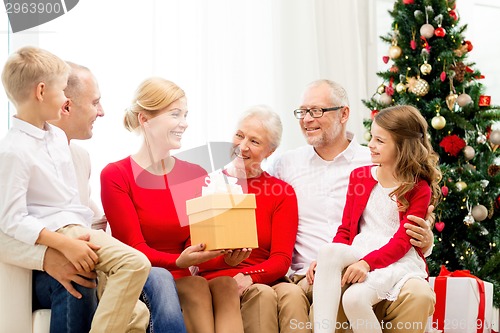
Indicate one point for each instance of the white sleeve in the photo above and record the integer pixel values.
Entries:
(17, 253)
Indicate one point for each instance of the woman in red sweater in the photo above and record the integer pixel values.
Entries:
(144, 198)
(371, 244)
(258, 134)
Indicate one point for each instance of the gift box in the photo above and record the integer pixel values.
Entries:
(223, 221)
(464, 303)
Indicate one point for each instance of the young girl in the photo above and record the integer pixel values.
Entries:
(371, 244)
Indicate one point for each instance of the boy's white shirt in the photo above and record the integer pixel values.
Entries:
(18, 253)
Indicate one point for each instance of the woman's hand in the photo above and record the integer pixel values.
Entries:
(310, 272)
(234, 257)
(243, 281)
(421, 233)
(356, 272)
(194, 255)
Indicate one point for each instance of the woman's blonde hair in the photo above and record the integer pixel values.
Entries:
(153, 95)
(416, 159)
(27, 67)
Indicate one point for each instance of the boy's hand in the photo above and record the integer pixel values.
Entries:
(234, 257)
(58, 266)
(81, 254)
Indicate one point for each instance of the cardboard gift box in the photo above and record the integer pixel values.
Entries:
(464, 304)
(223, 221)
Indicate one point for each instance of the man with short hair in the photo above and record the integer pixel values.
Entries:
(319, 174)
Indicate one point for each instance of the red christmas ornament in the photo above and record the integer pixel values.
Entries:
(453, 144)
(408, 2)
(439, 226)
(385, 59)
(453, 14)
(413, 44)
(484, 100)
(374, 113)
(469, 45)
(389, 90)
(443, 76)
(439, 32)
(444, 190)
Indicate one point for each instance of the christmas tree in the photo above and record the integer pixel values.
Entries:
(428, 56)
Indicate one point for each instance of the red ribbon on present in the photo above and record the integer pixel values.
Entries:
(440, 290)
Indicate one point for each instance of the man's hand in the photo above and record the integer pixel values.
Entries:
(310, 272)
(57, 266)
(421, 233)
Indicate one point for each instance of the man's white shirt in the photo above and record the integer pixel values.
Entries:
(321, 188)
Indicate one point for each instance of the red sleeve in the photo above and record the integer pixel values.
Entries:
(116, 192)
(399, 244)
(344, 230)
(283, 234)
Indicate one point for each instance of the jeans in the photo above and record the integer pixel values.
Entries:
(160, 296)
(69, 314)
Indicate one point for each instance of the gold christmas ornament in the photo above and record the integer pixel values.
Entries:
(463, 100)
(395, 52)
(400, 87)
(495, 137)
(367, 136)
(425, 68)
(438, 122)
(385, 99)
(479, 213)
(461, 185)
(451, 99)
(469, 153)
(381, 89)
(427, 30)
(418, 86)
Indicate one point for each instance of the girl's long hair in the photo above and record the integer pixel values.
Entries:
(416, 159)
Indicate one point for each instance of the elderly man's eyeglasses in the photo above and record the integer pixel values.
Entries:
(315, 113)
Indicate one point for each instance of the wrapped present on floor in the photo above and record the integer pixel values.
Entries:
(223, 217)
(464, 303)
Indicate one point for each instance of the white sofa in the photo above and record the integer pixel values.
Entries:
(15, 303)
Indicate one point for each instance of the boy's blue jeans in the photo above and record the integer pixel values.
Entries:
(71, 315)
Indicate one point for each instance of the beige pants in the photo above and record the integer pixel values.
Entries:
(407, 314)
(139, 321)
(282, 307)
(127, 271)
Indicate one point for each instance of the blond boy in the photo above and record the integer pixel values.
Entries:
(39, 201)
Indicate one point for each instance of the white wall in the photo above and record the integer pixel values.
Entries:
(229, 55)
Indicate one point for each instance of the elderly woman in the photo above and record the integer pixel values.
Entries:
(144, 199)
(257, 136)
